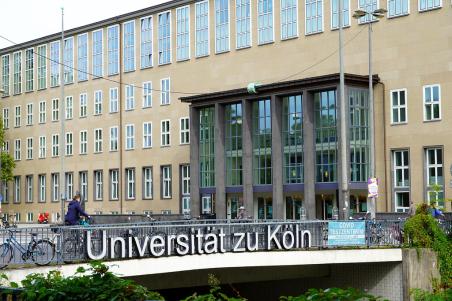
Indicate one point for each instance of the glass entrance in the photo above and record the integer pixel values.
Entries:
(326, 206)
(232, 207)
(294, 207)
(264, 208)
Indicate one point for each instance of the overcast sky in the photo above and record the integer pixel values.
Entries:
(24, 20)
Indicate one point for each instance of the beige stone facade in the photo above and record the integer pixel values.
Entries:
(410, 52)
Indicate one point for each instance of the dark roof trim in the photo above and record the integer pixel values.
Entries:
(310, 82)
(100, 24)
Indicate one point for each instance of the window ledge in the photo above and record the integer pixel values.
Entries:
(433, 120)
(429, 9)
(314, 33)
(397, 16)
(266, 43)
(399, 123)
(289, 38)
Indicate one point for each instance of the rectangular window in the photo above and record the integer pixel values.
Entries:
(97, 102)
(83, 142)
(5, 118)
(55, 109)
(147, 95)
(5, 74)
(399, 106)
(130, 185)
(243, 23)
(146, 42)
(147, 183)
(147, 134)
(265, 21)
(30, 114)
(69, 107)
(185, 180)
(314, 16)
(130, 97)
(55, 145)
(83, 105)
(17, 149)
(83, 183)
(42, 112)
(97, 140)
(17, 117)
(98, 54)
(69, 184)
(368, 6)
(289, 19)
(165, 91)
(29, 217)
(42, 188)
(68, 60)
(202, 28)
(164, 38)
(435, 177)
(98, 185)
(29, 69)
(17, 72)
(55, 64)
(55, 187)
(113, 138)
(401, 184)
(5, 192)
(335, 13)
(183, 33)
(166, 182)
(114, 184)
(325, 136)
(207, 146)
(184, 130)
(113, 100)
(429, 4)
(29, 188)
(30, 148)
(398, 8)
(82, 53)
(130, 136)
(69, 143)
(262, 139)
(129, 46)
(113, 49)
(432, 103)
(16, 189)
(5, 147)
(292, 136)
(221, 26)
(165, 139)
(42, 147)
(42, 67)
(233, 144)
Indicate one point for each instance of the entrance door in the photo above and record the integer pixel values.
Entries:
(232, 207)
(328, 204)
(206, 204)
(264, 208)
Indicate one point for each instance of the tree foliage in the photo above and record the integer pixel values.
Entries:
(333, 294)
(442, 295)
(7, 160)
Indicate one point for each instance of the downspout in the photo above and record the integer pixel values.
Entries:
(120, 146)
(388, 193)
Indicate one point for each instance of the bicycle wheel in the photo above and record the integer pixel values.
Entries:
(43, 252)
(70, 250)
(6, 253)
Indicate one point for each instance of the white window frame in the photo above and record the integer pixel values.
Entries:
(98, 140)
(219, 26)
(368, 18)
(185, 179)
(81, 59)
(147, 94)
(165, 94)
(113, 53)
(42, 113)
(395, 15)
(164, 132)
(55, 177)
(55, 109)
(114, 139)
(42, 147)
(250, 18)
(55, 146)
(124, 47)
(101, 53)
(403, 167)
(130, 184)
(98, 185)
(69, 181)
(83, 183)
(160, 39)
(6, 74)
(55, 62)
(29, 188)
(166, 181)
(5, 116)
(197, 54)
(42, 188)
(68, 68)
(432, 103)
(69, 144)
(29, 72)
(431, 8)
(147, 42)
(29, 217)
(259, 29)
(399, 107)
(281, 21)
(98, 98)
(130, 97)
(83, 99)
(332, 14)
(17, 116)
(130, 138)
(29, 148)
(69, 107)
(29, 114)
(83, 146)
(147, 183)
(17, 74)
(183, 131)
(16, 191)
(147, 134)
(17, 149)
(41, 69)
(306, 18)
(113, 101)
(436, 166)
(114, 184)
(180, 58)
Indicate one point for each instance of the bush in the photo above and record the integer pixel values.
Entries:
(333, 294)
(214, 294)
(420, 295)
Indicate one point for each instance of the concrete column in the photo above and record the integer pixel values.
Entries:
(309, 154)
(277, 162)
(194, 163)
(220, 171)
(344, 197)
(247, 158)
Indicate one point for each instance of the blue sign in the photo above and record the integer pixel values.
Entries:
(346, 233)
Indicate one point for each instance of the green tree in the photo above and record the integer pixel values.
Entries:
(7, 160)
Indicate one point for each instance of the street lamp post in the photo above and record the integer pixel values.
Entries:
(378, 14)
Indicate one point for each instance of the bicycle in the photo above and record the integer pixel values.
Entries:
(74, 242)
(41, 251)
(5, 223)
(375, 233)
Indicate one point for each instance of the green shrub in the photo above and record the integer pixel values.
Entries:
(333, 294)
(443, 295)
(214, 294)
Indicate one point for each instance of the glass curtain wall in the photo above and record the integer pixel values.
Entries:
(325, 136)
(262, 142)
(207, 146)
(359, 134)
(233, 145)
(292, 135)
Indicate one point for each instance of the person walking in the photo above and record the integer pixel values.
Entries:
(74, 211)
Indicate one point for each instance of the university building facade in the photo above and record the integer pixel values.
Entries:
(158, 118)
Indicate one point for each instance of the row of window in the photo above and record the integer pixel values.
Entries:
(166, 185)
(130, 141)
(83, 104)
(265, 26)
(431, 101)
(433, 158)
